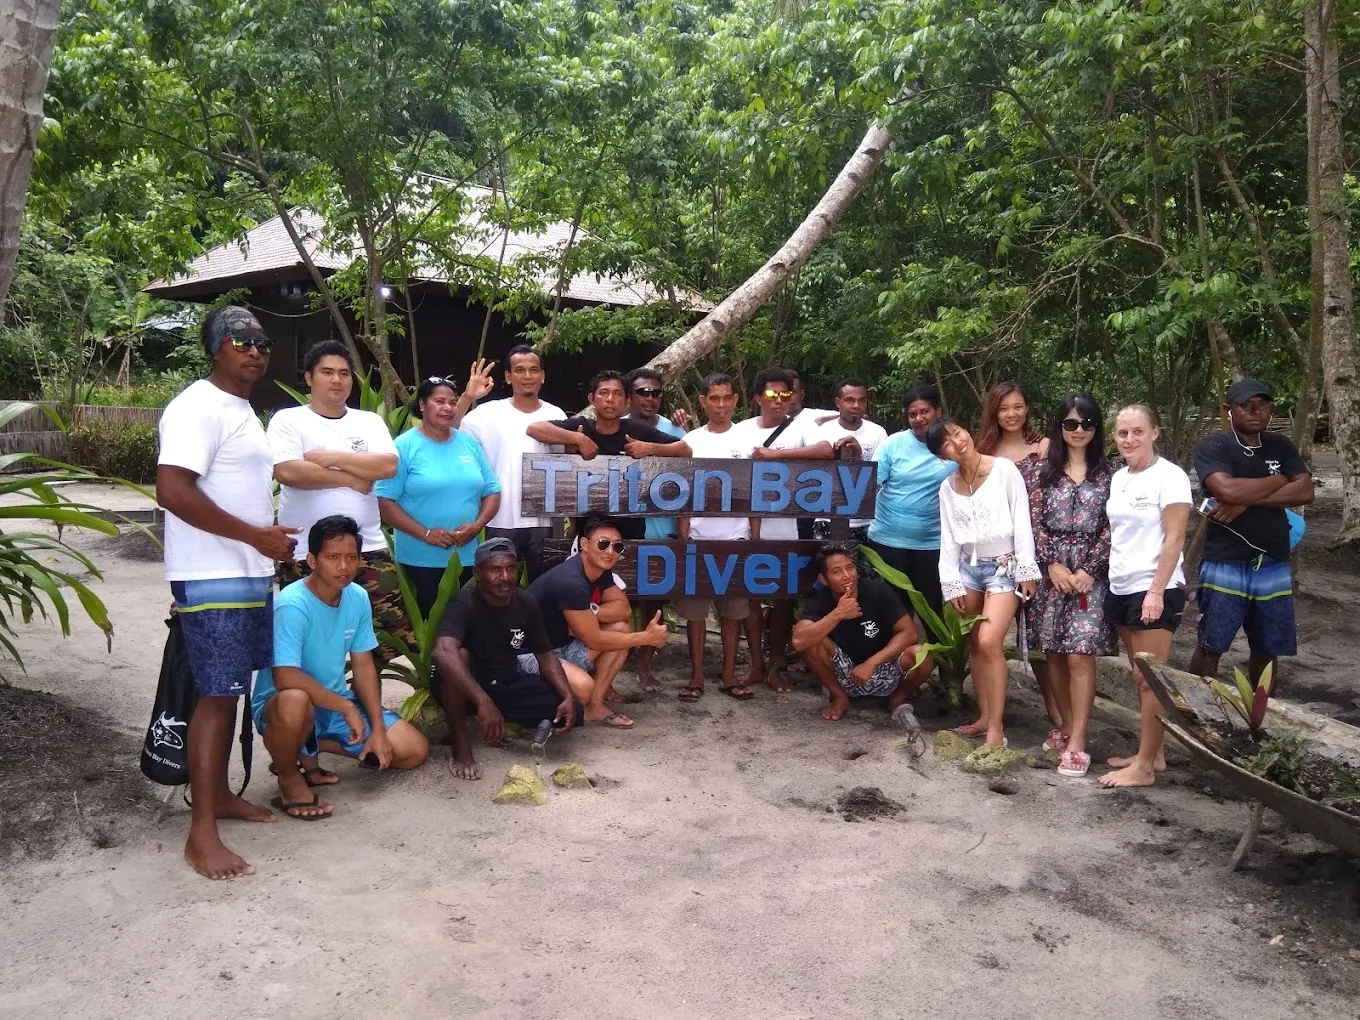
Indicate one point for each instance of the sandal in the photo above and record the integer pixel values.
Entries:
(690, 693)
(1057, 740)
(289, 807)
(738, 691)
(326, 776)
(1074, 764)
(615, 721)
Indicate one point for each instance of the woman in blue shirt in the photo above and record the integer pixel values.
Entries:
(442, 495)
(906, 526)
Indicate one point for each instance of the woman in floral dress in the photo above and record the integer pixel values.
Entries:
(1068, 490)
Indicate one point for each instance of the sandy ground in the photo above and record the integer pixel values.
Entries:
(709, 873)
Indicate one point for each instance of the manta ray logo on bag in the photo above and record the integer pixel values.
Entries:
(164, 732)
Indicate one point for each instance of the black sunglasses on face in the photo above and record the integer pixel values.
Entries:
(245, 343)
(604, 543)
(1085, 424)
(647, 391)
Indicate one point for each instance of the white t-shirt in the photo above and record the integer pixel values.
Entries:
(217, 436)
(708, 445)
(502, 429)
(1135, 511)
(747, 435)
(298, 430)
(870, 436)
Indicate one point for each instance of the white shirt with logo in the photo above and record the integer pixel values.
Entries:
(502, 429)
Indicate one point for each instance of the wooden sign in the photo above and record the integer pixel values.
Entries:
(565, 484)
(704, 570)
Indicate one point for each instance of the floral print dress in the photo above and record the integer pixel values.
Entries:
(1070, 527)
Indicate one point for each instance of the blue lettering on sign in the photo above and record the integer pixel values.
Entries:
(675, 502)
(645, 585)
(634, 477)
(613, 486)
(855, 493)
(720, 576)
(769, 487)
(761, 574)
(551, 468)
(701, 479)
(583, 483)
(796, 565)
(815, 499)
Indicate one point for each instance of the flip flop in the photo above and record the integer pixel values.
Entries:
(288, 807)
(307, 775)
(738, 691)
(611, 720)
(690, 693)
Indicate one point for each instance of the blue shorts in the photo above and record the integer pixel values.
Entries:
(228, 626)
(328, 724)
(985, 576)
(574, 651)
(1256, 597)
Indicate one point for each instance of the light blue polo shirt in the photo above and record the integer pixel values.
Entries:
(663, 527)
(907, 512)
(315, 638)
(441, 485)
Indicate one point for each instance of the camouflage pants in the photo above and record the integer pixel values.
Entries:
(378, 577)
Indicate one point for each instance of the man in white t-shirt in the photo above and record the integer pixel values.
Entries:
(327, 456)
(773, 435)
(853, 436)
(501, 426)
(214, 482)
(719, 440)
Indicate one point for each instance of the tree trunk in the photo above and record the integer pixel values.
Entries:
(738, 307)
(1339, 362)
(28, 29)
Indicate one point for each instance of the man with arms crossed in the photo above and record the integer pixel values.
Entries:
(484, 632)
(715, 441)
(501, 426)
(214, 481)
(1244, 577)
(859, 640)
(303, 705)
(586, 614)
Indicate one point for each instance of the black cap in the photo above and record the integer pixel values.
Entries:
(494, 547)
(1244, 389)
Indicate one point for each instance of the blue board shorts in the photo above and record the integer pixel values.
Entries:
(228, 626)
(328, 724)
(1257, 597)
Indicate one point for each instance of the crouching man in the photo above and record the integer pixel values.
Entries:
(303, 705)
(482, 637)
(858, 640)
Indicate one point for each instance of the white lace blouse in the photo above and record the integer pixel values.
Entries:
(992, 523)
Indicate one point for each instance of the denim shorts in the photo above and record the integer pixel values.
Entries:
(986, 576)
(574, 651)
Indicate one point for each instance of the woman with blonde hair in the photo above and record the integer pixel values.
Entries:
(1148, 508)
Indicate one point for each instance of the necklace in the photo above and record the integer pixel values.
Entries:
(972, 484)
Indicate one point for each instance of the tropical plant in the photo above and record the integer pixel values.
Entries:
(425, 628)
(951, 629)
(1250, 703)
(398, 419)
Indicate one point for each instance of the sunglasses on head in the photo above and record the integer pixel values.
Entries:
(245, 343)
(1085, 424)
(647, 391)
(779, 394)
(604, 543)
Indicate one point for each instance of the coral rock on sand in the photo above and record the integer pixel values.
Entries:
(992, 761)
(572, 775)
(950, 745)
(522, 786)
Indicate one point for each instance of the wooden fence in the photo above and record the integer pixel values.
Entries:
(36, 433)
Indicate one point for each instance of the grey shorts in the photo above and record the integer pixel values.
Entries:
(574, 651)
(727, 609)
(884, 681)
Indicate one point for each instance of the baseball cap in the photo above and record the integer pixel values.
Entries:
(1244, 389)
(494, 547)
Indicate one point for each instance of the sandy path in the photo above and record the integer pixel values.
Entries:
(705, 876)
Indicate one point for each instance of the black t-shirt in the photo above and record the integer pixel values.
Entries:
(612, 445)
(565, 588)
(495, 635)
(1264, 528)
(862, 638)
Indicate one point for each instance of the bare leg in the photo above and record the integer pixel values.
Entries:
(1057, 670)
(755, 673)
(409, 746)
(461, 762)
(912, 679)
(644, 669)
(607, 666)
(972, 606)
(696, 633)
(1052, 703)
(1141, 769)
(210, 732)
(986, 651)
(288, 719)
(1203, 663)
(1081, 672)
(819, 660)
(781, 627)
(730, 631)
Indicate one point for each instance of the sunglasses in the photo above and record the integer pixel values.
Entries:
(604, 543)
(779, 394)
(245, 343)
(1085, 424)
(647, 391)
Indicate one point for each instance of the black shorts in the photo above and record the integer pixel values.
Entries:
(1127, 610)
(525, 700)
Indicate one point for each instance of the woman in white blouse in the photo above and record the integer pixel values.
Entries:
(986, 561)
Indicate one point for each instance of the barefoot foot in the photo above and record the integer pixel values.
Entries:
(778, 683)
(213, 860)
(464, 768)
(1122, 763)
(837, 708)
(1133, 775)
(232, 806)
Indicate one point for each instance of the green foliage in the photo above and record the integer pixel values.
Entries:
(116, 449)
(1248, 702)
(398, 419)
(1283, 760)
